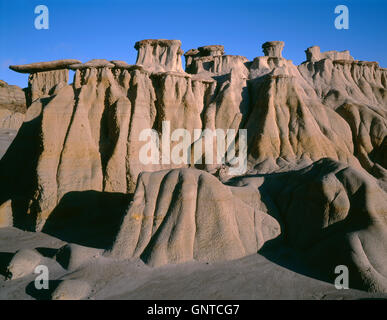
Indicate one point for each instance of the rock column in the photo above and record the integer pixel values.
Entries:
(159, 55)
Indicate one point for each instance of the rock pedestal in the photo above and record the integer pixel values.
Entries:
(44, 84)
(45, 77)
(273, 48)
(314, 54)
(212, 60)
(159, 55)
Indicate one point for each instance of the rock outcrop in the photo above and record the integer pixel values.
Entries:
(86, 136)
(45, 78)
(211, 60)
(333, 214)
(314, 54)
(187, 214)
(159, 55)
(273, 48)
(12, 106)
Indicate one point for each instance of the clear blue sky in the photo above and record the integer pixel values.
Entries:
(91, 29)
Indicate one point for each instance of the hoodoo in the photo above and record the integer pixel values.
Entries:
(159, 55)
(273, 48)
(45, 78)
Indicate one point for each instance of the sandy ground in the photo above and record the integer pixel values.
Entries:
(253, 277)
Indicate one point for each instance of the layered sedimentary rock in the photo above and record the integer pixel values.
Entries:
(333, 214)
(44, 66)
(314, 54)
(187, 214)
(356, 90)
(12, 106)
(87, 137)
(46, 83)
(159, 55)
(211, 59)
(273, 48)
(45, 78)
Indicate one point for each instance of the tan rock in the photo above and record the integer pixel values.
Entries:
(314, 54)
(273, 48)
(85, 137)
(12, 106)
(23, 263)
(44, 66)
(46, 83)
(159, 55)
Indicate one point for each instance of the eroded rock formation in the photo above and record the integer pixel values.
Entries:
(12, 106)
(159, 55)
(45, 78)
(87, 137)
(273, 48)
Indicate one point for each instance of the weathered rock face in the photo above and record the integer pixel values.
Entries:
(356, 90)
(87, 137)
(211, 60)
(159, 55)
(194, 209)
(46, 83)
(314, 54)
(12, 106)
(181, 215)
(273, 48)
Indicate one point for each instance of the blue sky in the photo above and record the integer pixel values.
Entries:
(92, 29)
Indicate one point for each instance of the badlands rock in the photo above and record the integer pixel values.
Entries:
(273, 48)
(332, 213)
(10, 120)
(213, 50)
(212, 60)
(86, 139)
(314, 54)
(187, 214)
(95, 63)
(45, 78)
(159, 55)
(46, 83)
(12, 106)
(12, 98)
(356, 90)
(291, 116)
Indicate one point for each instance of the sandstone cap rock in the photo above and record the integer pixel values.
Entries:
(158, 42)
(191, 52)
(94, 63)
(211, 50)
(273, 48)
(44, 66)
(158, 55)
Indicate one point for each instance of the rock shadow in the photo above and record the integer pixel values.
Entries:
(89, 218)
(5, 259)
(42, 294)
